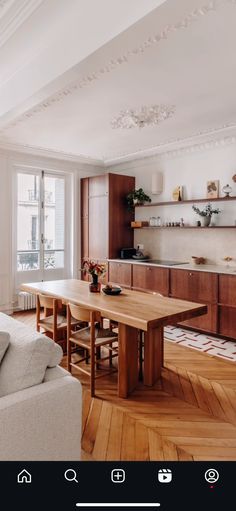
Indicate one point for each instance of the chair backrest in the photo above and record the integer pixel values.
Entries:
(45, 301)
(48, 301)
(82, 314)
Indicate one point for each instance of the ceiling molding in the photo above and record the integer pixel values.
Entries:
(181, 146)
(148, 160)
(13, 13)
(4, 6)
(47, 153)
(204, 10)
(128, 160)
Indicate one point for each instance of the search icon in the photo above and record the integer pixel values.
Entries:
(70, 475)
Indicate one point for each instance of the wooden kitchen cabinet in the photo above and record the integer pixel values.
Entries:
(120, 273)
(227, 305)
(207, 322)
(227, 321)
(98, 185)
(227, 289)
(98, 227)
(194, 285)
(197, 286)
(151, 278)
(105, 219)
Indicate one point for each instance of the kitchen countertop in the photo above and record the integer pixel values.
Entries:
(212, 268)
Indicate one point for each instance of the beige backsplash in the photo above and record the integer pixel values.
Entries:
(181, 245)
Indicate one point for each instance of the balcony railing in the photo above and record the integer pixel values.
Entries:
(34, 244)
(33, 196)
(28, 260)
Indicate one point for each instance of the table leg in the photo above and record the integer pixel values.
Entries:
(128, 360)
(153, 355)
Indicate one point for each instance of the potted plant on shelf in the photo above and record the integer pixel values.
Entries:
(206, 214)
(137, 197)
(95, 270)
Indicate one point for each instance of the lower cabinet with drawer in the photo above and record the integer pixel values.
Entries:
(200, 287)
(218, 292)
(197, 286)
(120, 273)
(151, 278)
(207, 322)
(227, 321)
(227, 305)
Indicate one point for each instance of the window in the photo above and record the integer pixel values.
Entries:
(40, 221)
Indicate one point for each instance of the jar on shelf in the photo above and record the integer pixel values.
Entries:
(158, 221)
(152, 221)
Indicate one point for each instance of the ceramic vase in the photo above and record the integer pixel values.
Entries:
(205, 221)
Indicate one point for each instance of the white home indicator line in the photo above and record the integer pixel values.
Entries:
(117, 504)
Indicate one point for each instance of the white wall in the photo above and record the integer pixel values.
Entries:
(8, 162)
(5, 234)
(191, 170)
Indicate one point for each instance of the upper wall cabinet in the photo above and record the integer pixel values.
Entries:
(105, 219)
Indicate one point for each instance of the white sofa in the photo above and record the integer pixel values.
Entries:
(42, 421)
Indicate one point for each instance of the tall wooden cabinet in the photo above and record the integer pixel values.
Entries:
(105, 219)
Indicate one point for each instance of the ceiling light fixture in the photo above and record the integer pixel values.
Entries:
(146, 116)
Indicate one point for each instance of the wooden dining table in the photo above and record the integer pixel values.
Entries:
(134, 311)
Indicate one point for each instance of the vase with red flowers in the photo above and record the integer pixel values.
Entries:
(96, 270)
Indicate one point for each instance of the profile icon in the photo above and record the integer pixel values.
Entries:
(211, 475)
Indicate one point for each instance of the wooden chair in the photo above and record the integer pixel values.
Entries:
(92, 338)
(53, 319)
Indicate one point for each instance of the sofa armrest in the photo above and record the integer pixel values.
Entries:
(42, 422)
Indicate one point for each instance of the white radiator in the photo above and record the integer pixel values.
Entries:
(26, 300)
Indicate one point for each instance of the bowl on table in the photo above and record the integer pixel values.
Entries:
(112, 290)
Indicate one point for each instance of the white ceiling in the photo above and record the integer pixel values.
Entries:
(64, 74)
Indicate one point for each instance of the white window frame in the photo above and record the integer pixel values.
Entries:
(20, 277)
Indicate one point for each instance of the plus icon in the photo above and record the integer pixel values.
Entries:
(118, 475)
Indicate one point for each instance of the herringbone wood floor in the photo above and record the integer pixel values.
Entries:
(189, 415)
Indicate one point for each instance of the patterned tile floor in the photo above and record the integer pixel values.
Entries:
(214, 346)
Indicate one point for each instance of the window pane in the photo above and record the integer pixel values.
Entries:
(27, 222)
(27, 260)
(54, 198)
(54, 218)
(53, 259)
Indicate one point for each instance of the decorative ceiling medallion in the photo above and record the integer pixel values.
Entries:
(146, 116)
(187, 21)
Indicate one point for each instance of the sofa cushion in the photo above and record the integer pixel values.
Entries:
(27, 358)
(4, 343)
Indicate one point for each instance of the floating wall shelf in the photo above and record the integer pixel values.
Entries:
(189, 201)
(188, 227)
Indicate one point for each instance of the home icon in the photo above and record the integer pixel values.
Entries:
(24, 477)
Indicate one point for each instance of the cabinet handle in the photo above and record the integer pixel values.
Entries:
(149, 269)
(190, 274)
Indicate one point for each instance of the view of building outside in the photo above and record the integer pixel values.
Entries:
(31, 253)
